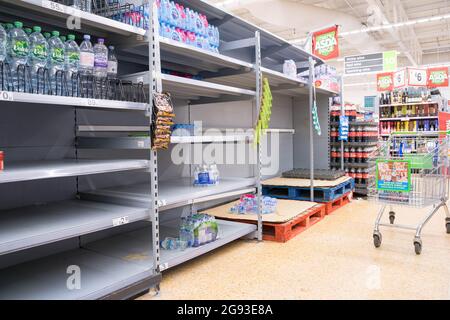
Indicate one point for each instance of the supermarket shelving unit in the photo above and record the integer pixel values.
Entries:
(102, 215)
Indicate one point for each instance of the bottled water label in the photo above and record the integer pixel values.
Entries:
(87, 59)
(74, 57)
(101, 62)
(20, 48)
(40, 52)
(112, 67)
(58, 55)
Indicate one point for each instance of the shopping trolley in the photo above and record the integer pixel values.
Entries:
(410, 169)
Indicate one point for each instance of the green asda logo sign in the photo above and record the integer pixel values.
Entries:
(326, 43)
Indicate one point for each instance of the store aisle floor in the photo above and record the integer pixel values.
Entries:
(335, 259)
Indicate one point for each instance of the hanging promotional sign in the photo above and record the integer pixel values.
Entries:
(417, 77)
(393, 175)
(325, 43)
(400, 79)
(385, 81)
(371, 63)
(437, 77)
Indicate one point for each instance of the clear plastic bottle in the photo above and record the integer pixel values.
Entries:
(100, 59)
(28, 31)
(72, 60)
(38, 59)
(47, 35)
(86, 56)
(18, 52)
(112, 63)
(3, 43)
(86, 5)
(63, 39)
(57, 52)
(76, 4)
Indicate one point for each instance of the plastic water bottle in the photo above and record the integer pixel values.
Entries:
(63, 39)
(38, 59)
(57, 52)
(18, 52)
(47, 35)
(72, 63)
(100, 59)
(3, 43)
(28, 31)
(76, 4)
(112, 63)
(86, 56)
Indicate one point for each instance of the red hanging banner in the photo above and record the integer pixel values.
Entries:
(325, 43)
(385, 81)
(437, 77)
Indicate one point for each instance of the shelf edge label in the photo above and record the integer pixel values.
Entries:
(6, 96)
(121, 221)
(54, 6)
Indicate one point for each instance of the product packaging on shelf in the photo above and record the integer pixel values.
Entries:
(206, 175)
(248, 204)
(2, 166)
(162, 121)
(187, 26)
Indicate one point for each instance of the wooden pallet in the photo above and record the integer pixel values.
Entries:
(332, 206)
(283, 232)
(321, 194)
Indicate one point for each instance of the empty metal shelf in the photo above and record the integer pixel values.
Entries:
(47, 169)
(33, 226)
(172, 193)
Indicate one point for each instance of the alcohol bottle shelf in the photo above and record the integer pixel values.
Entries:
(48, 169)
(172, 193)
(408, 104)
(33, 226)
(409, 118)
(107, 265)
(8, 97)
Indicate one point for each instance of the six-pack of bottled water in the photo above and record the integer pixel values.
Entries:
(187, 26)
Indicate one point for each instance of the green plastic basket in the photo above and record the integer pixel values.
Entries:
(420, 161)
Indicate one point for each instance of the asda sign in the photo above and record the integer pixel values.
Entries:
(437, 77)
(325, 43)
(385, 81)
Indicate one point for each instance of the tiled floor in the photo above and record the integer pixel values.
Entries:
(335, 259)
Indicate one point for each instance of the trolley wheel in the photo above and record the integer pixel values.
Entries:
(418, 246)
(391, 217)
(377, 239)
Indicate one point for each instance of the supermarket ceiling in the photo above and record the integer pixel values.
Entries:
(418, 29)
